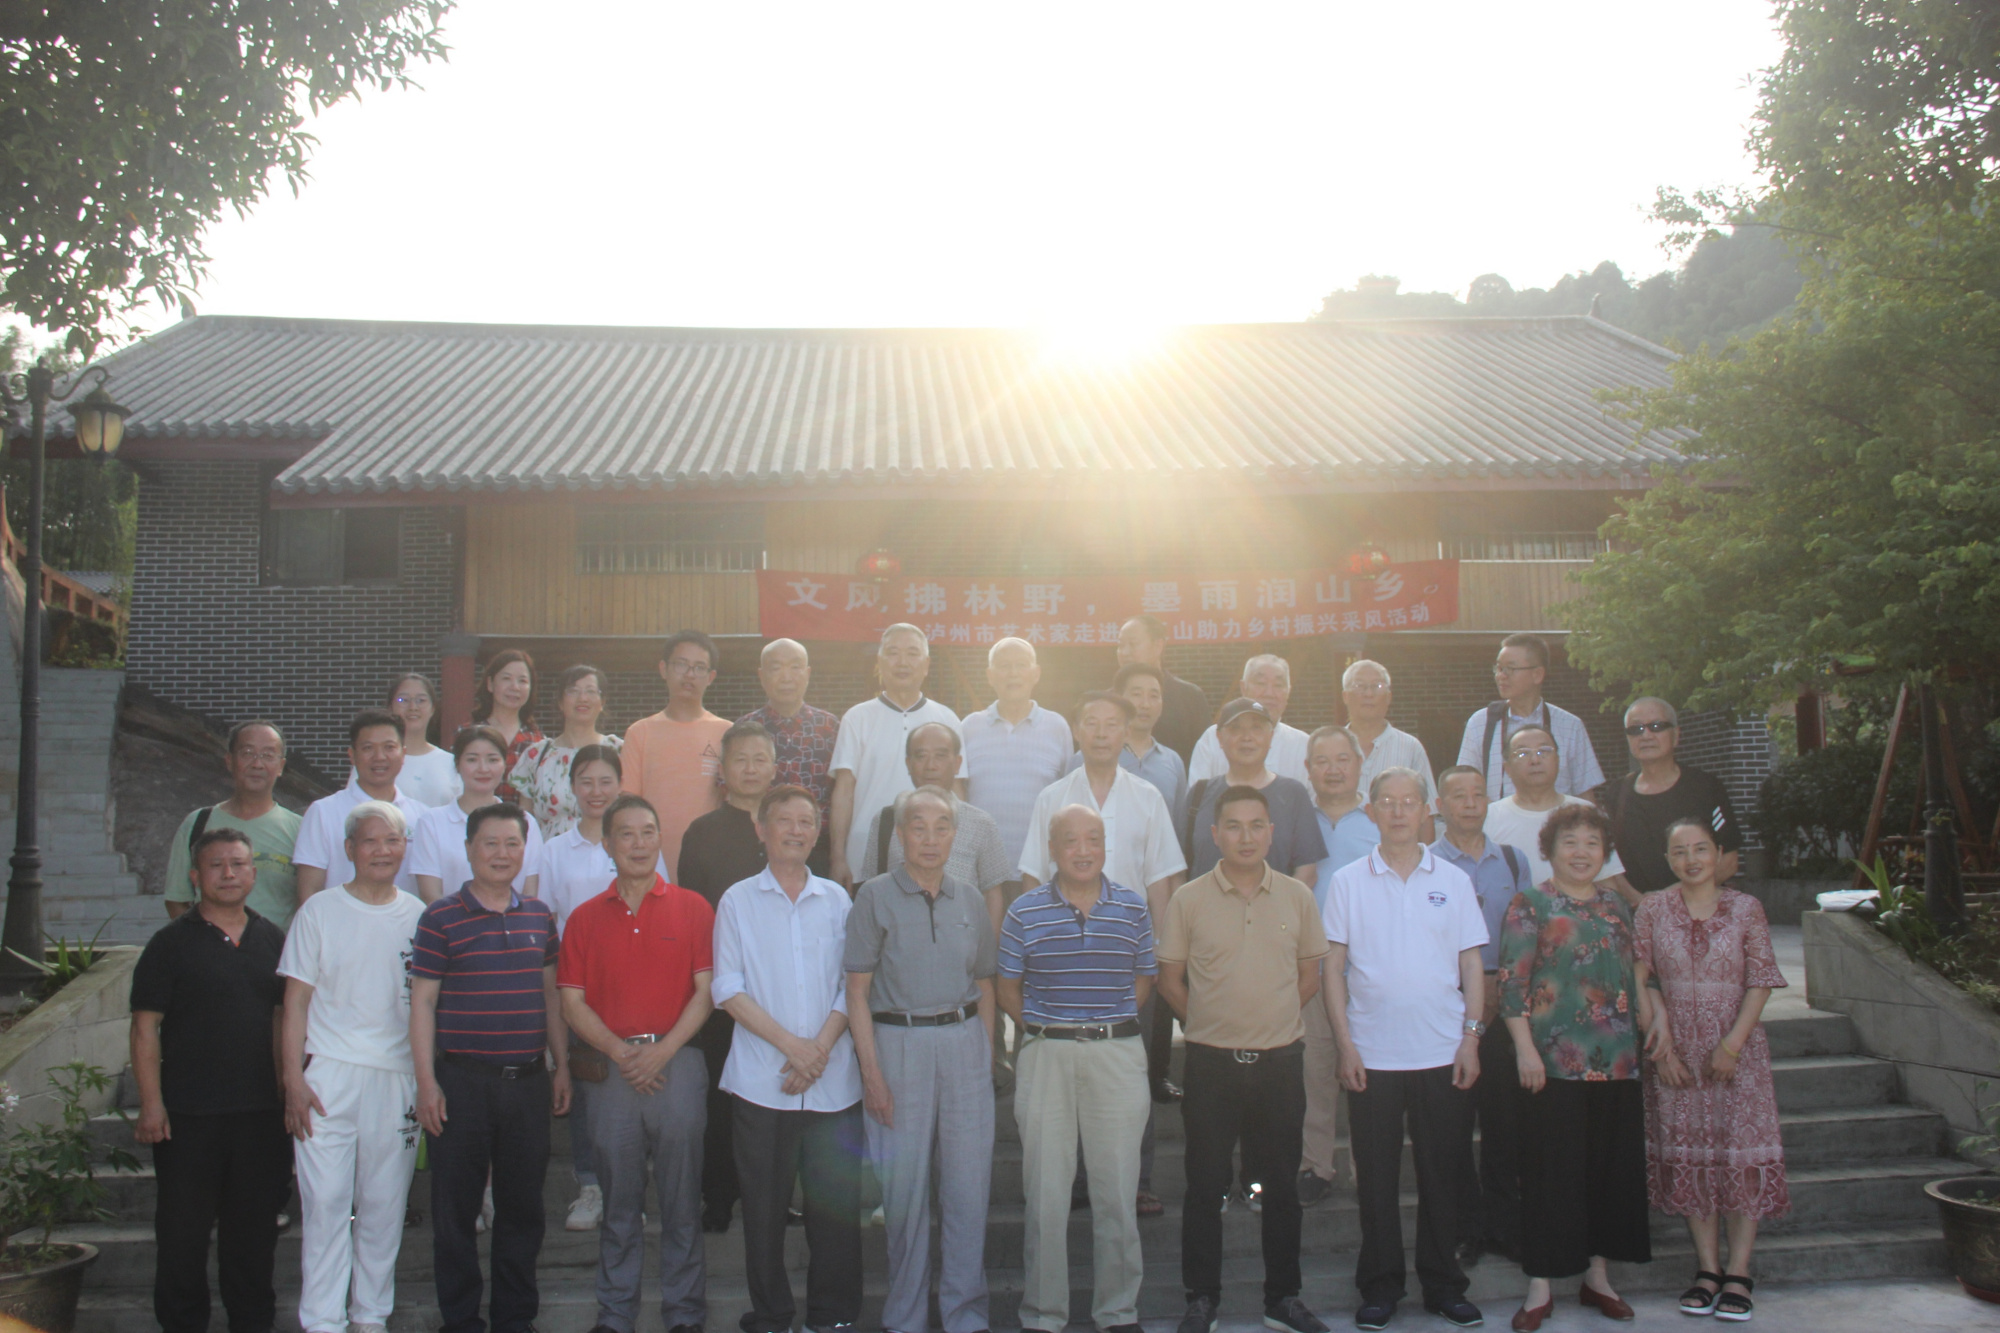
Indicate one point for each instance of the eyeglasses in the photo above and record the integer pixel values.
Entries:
(688, 667)
(1641, 728)
(1367, 687)
(1501, 670)
(408, 699)
(1405, 806)
(1539, 752)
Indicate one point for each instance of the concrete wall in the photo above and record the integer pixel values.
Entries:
(88, 1020)
(1942, 1043)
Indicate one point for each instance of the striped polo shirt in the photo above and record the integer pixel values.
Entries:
(488, 965)
(1076, 968)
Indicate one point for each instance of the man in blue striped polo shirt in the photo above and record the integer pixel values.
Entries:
(1076, 962)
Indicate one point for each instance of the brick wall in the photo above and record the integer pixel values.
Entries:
(205, 634)
(1739, 753)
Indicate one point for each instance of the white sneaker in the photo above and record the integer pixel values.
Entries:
(587, 1211)
(485, 1222)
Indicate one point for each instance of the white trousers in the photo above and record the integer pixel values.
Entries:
(354, 1180)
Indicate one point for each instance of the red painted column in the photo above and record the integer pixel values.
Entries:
(458, 669)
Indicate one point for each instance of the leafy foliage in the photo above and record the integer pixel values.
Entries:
(127, 128)
(90, 508)
(1969, 959)
(1812, 804)
(50, 1175)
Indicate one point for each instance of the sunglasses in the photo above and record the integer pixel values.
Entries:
(1641, 728)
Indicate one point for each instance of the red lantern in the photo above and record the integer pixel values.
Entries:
(879, 564)
(1367, 561)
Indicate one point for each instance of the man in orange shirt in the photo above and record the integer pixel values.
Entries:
(672, 758)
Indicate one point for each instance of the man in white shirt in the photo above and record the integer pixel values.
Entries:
(353, 1112)
(375, 749)
(1267, 678)
(868, 766)
(1405, 993)
(1533, 760)
(793, 1083)
(1518, 673)
(1364, 687)
(1014, 747)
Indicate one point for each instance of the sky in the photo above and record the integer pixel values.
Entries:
(1079, 165)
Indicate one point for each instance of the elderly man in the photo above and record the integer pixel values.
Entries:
(1533, 763)
(869, 769)
(920, 962)
(375, 750)
(672, 757)
(1647, 803)
(1267, 679)
(1184, 713)
(1144, 687)
(1404, 995)
(1519, 672)
(254, 758)
(1364, 688)
(1014, 747)
(803, 735)
(1239, 960)
(791, 1075)
(1076, 963)
(978, 853)
(353, 1110)
(1489, 1203)
(1245, 731)
(204, 994)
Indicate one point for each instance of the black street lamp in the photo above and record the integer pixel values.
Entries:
(100, 428)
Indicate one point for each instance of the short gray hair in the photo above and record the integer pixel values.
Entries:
(1347, 676)
(1267, 659)
(1673, 714)
(1375, 787)
(1329, 732)
(910, 798)
(904, 627)
(1033, 656)
(381, 810)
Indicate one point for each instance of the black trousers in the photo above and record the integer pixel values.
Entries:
(1264, 1104)
(501, 1126)
(228, 1173)
(1583, 1176)
(719, 1189)
(821, 1151)
(1159, 1041)
(1489, 1199)
(1439, 1120)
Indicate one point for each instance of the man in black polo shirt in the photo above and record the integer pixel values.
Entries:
(483, 1018)
(1184, 711)
(205, 996)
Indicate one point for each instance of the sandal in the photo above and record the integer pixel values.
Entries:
(1704, 1299)
(1150, 1205)
(1735, 1306)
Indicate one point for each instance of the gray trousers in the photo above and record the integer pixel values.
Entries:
(942, 1081)
(626, 1128)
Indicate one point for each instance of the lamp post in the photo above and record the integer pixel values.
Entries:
(100, 428)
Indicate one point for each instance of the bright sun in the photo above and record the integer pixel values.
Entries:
(1101, 343)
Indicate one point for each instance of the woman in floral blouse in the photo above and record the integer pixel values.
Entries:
(1712, 1144)
(505, 701)
(1573, 1005)
(541, 774)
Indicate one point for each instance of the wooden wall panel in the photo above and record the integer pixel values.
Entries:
(1514, 594)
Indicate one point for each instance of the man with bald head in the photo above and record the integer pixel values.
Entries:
(1075, 965)
(1267, 678)
(803, 735)
(868, 768)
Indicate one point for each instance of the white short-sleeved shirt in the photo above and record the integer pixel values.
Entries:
(870, 745)
(1577, 771)
(439, 849)
(1397, 749)
(429, 779)
(1508, 823)
(322, 841)
(356, 957)
(1010, 763)
(1140, 845)
(787, 957)
(1404, 1006)
(1287, 758)
(575, 870)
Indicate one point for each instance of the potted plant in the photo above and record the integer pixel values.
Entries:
(1970, 1206)
(48, 1176)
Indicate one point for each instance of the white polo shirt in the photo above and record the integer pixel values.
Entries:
(1507, 822)
(1404, 1006)
(1140, 845)
(787, 956)
(1397, 749)
(870, 745)
(574, 870)
(1577, 771)
(322, 840)
(1287, 758)
(439, 849)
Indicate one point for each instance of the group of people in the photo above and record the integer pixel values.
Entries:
(790, 962)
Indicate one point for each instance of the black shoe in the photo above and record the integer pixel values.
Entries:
(1291, 1316)
(602, 1328)
(1119, 1328)
(677, 1328)
(1375, 1314)
(829, 1328)
(1166, 1093)
(1469, 1253)
(1313, 1189)
(1457, 1311)
(1200, 1316)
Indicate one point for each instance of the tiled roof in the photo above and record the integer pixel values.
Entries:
(444, 407)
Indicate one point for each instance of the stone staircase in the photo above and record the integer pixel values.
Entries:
(1858, 1162)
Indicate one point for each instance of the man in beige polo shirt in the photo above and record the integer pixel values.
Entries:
(1239, 958)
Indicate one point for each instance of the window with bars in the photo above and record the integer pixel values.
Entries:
(706, 539)
(1522, 546)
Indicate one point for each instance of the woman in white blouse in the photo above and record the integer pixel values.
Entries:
(437, 848)
(541, 774)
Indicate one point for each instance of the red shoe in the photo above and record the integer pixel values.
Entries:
(1527, 1321)
(1610, 1306)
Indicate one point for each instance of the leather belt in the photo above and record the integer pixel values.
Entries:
(645, 1038)
(1084, 1031)
(527, 1070)
(1249, 1057)
(943, 1020)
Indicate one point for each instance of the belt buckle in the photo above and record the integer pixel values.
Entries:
(1093, 1031)
(510, 1071)
(1247, 1057)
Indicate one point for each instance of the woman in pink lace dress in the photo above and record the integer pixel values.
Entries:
(1712, 1145)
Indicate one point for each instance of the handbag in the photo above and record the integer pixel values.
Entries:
(588, 1064)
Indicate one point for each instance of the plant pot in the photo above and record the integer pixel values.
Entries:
(1971, 1232)
(45, 1298)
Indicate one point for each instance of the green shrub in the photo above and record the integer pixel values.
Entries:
(1813, 803)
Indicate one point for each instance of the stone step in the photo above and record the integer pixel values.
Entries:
(1822, 1082)
(1816, 1032)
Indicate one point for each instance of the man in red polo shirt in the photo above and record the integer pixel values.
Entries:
(634, 979)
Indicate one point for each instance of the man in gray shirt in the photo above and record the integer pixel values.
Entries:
(920, 1004)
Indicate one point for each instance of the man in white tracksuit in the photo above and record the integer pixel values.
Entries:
(353, 1107)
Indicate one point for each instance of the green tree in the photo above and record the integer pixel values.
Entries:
(90, 508)
(127, 128)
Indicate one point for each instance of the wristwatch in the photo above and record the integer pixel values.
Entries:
(1474, 1028)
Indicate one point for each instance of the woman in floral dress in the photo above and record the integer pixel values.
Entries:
(541, 773)
(1712, 1145)
(505, 701)
(1570, 1000)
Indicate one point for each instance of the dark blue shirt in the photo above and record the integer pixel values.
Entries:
(491, 1005)
(1076, 968)
(1496, 878)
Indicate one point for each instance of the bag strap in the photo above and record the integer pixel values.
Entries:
(200, 823)
(1513, 859)
(1495, 711)
(885, 826)
(1195, 793)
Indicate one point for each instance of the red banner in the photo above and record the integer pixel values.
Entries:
(1245, 608)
